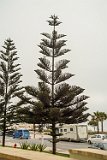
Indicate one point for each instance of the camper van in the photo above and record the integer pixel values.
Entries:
(21, 133)
(73, 132)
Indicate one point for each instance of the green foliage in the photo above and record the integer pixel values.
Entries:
(97, 117)
(40, 129)
(58, 101)
(10, 79)
(33, 147)
(41, 147)
(24, 145)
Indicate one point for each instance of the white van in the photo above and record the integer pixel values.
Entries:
(73, 132)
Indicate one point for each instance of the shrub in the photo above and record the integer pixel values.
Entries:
(41, 147)
(24, 145)
(34, 147)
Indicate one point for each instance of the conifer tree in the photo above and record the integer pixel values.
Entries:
(10, 78)
(62, 103)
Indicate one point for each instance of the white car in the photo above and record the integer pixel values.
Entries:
(102, 145)
(97, 138)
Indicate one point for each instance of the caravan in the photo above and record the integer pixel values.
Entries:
(73, 132)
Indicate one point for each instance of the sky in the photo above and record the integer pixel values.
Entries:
(84, 23)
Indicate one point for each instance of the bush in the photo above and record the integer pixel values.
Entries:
(34, 147)
(24, 145)
(41, 147)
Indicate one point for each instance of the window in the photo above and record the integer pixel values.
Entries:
(65, 130)
(61, 130)
(98, 136)
(71, 129)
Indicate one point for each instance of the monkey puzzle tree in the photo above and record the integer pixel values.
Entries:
(9, 85)
(62, 103)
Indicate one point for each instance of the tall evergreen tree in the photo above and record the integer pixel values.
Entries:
(9, 85)
(62, 103)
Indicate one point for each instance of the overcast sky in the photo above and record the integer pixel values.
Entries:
(84, 23)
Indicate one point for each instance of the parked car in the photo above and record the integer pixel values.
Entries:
(21, 133)
(97, 138)
(102, 145)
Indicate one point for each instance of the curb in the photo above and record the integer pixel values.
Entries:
(89, 153)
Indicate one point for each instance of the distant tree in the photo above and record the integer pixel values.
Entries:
(93, 122)
(98, 117)
(9, 85)
(103, 116)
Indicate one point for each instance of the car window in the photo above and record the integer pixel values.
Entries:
(105, 136)
(105, 146)
(98, 136)
(93, 136)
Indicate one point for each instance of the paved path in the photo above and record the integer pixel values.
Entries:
(20, 154)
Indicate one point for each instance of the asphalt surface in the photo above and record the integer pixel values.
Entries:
(63, 145)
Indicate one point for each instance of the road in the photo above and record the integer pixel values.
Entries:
(62, 145)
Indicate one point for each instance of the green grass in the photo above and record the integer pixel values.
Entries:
(58, 154)
(63, 154)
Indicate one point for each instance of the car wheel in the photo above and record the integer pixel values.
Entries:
(89, 142)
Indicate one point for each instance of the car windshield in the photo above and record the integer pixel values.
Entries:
(20, 131)
(26, 131)
(105, 136)
(105, 145)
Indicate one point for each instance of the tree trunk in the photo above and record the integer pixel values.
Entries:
(4, 121)
(53, 123)
(4, 132)
(94, 128)
(102, 126)
(54, 139)
(98, 127)
(34, 129)
(4, 127)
